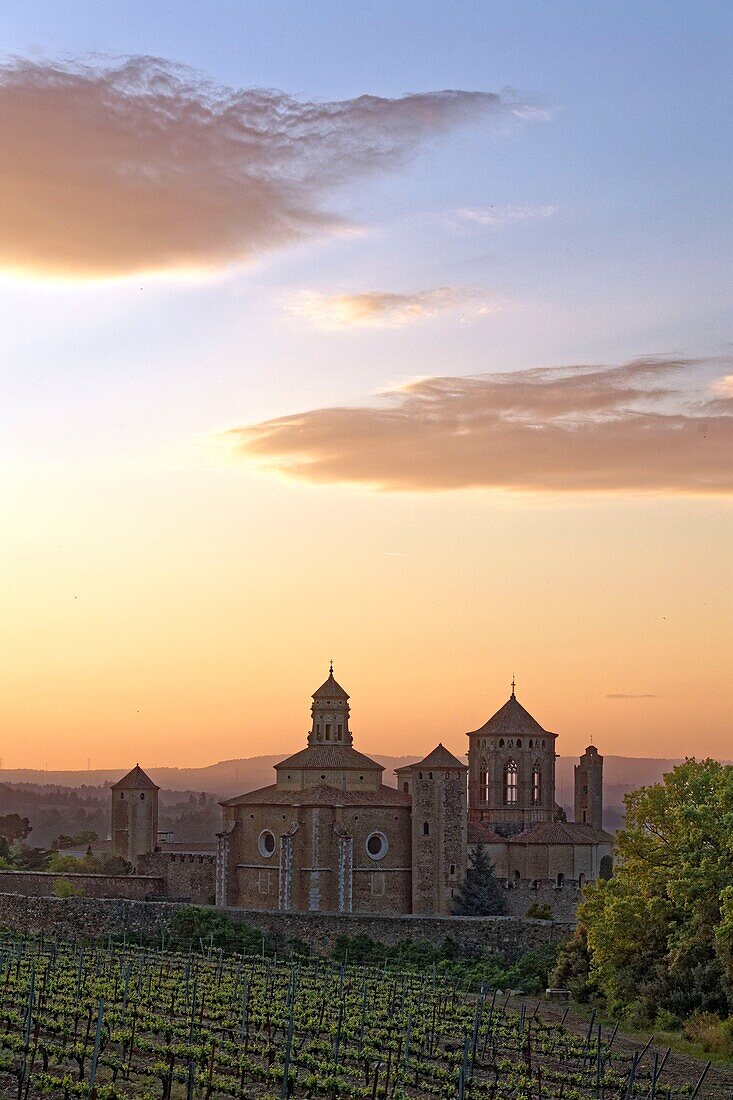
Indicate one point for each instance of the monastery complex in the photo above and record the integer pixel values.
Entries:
(329, 835)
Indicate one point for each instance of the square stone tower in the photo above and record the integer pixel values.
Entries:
(589, 789)
(437, 786)
(511, 758)
(134, 816)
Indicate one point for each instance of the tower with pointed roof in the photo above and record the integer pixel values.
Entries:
(511, 779)
(437, 787)
(589, 788)
(134, 816)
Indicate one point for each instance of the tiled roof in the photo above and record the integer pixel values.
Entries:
(561, 832)
(512, 720)
(330, 756)
(136, 780)
(320, 796)
(330, 689)
(440, 757)
(481, 831)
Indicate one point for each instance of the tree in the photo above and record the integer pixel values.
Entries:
(481, 894)
(660, 932)
(14, 827)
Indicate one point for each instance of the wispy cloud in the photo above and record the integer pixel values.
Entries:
(381, 309)
(643, 426)
(147, 166)
(619, 695)
(496, 216)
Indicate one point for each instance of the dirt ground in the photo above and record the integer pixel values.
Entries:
(679, 1068)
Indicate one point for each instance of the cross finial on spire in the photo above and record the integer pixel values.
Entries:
(513, 685)
(330, 667)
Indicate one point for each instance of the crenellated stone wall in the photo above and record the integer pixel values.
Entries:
(44, 884)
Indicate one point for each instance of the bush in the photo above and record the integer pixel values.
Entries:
(708, 1031)
(65, 889)
(540, 911)
(573, 968)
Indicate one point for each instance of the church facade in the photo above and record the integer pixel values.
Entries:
(330, 836)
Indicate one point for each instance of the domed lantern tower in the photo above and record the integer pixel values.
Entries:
(330, 714)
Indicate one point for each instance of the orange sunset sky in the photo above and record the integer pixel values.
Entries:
(416, 356)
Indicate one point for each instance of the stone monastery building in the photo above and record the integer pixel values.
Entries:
(328, 835)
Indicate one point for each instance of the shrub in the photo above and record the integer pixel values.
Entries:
(714, 1035)
(540, 911)
(65, 889)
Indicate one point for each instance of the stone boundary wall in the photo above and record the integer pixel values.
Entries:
(92, 918)
(43, 884)
(562, 900)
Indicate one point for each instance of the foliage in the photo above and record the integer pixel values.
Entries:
(121, 1022)
(472, 968)
(90, 864)
(540, 911)
(14, 827)
(192, 927)
(715, 1036)
(481, 894)
(572, 970)
(86, 836)
(660, 932)
(65, 889)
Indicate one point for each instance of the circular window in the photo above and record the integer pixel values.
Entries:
(377, 845)
(266, 843)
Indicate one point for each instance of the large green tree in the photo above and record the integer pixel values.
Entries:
(660, 932)
(481, 894)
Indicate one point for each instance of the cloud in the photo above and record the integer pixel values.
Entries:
(147, 166)
(496, 216)
(380, 309)
(621, 696)
(637, 427)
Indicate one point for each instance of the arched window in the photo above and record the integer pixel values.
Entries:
(484, 785)
(581, 880)
(510, 783)
(536, 785)
(406, 788)
(606, 869)
(560, 881)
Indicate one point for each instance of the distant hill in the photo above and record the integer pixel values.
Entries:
(228, 777)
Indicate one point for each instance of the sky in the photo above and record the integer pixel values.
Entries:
(395, 333)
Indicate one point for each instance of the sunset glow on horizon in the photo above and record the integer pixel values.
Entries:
(416, 357)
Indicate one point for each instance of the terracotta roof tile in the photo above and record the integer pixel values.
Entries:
(135, 780)
(330, 689)
(330, 756)
(440, 757)
(320, 796)
(561, 832)
(512, 719)
(482, 831)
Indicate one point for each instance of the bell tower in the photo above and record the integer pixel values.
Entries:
(511, 779)
(330, 714)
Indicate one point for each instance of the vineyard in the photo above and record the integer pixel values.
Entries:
(113, 1021)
